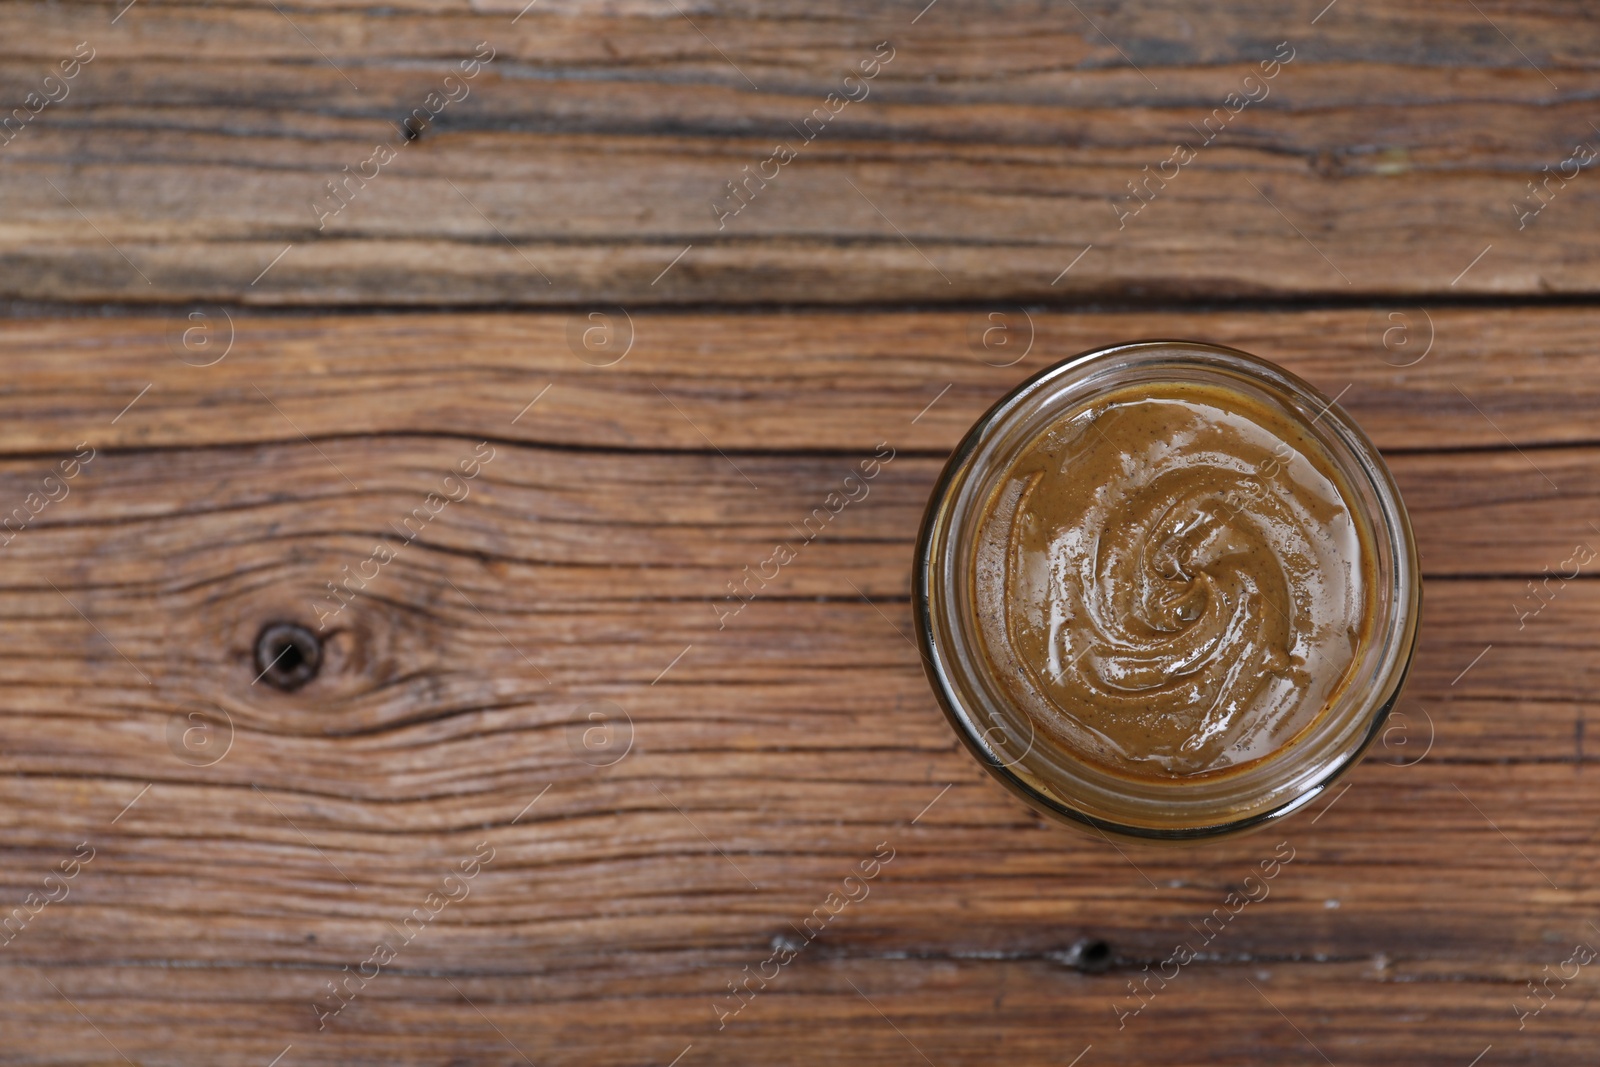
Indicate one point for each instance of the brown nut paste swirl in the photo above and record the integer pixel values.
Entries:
(1170, 580)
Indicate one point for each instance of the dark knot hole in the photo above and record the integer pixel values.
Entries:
(1091, 955)
(287, 655)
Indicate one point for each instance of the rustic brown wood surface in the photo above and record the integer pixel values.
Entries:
(992, 145)
(247, 404)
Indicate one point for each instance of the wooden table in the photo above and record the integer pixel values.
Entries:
(510, 409)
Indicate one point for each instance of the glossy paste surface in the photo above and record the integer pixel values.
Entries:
(1170, 581)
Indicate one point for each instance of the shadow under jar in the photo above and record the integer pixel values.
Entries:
(1167, 590)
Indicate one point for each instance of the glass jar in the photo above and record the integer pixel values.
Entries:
(1063, 783)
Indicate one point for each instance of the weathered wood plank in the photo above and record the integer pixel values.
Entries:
(950, 1011)
(838, 383)
(982, 160)
(794, 740)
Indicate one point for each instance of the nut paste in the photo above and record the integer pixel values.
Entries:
(1170, 580)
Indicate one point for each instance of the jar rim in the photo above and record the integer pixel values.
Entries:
(1175, 810)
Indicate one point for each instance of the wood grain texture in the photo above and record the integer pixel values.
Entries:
(769, 756)
(996, 146)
